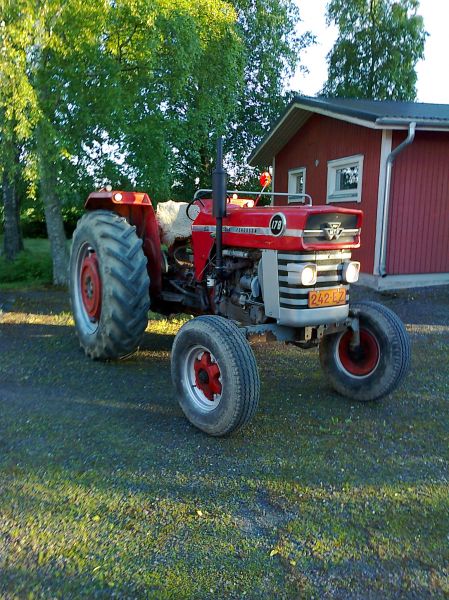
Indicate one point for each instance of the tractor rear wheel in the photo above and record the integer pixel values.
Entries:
(215, 375)
(378, 365)
(109, 285)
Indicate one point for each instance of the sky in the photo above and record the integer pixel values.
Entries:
(433, 81)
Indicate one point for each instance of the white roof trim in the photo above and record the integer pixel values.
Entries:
(340, 117)
(381, 123)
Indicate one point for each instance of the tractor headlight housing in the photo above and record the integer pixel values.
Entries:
(308, 275)
(351, 271)
(301, 274)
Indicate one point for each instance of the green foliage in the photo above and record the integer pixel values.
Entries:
(32, 266)
(184, 95)
(378, 46)
(32, 219)
(135, 93)
(271, 52)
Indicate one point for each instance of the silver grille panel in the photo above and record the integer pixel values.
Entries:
(288, 303)
(345, 236)
(329, 275)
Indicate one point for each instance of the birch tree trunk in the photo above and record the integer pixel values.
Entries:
(55, 230)
(52, 209)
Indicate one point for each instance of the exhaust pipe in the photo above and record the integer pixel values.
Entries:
(219, 187)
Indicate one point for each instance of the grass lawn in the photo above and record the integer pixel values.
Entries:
(32, 266)
(106, 491)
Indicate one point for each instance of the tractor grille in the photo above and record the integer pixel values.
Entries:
(332, 228)
(329, 275)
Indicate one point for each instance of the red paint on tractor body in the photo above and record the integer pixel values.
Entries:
(243, 227)
(137, 209)
(97, 199)
(250, 228)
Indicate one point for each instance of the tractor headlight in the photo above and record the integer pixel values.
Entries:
(308, 275)
(301, 274)
(351, 270)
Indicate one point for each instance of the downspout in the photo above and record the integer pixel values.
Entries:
(386, 204)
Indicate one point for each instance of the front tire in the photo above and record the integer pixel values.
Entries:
(215, 375)
(378, 366)
(109, 285)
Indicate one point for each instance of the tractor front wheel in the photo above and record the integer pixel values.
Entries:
(377, 366)
(215, 375)
(109, 285)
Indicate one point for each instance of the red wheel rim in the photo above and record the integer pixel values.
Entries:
(207, 376)
(362, 361)
(90, 283)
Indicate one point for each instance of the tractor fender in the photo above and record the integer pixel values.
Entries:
(137, 209)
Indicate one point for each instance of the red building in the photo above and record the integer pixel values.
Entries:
(391, 159)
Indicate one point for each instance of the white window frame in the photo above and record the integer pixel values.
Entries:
(334, 195)
(292, 175)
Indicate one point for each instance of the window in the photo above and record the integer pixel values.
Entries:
(344, 179)
(296, 184)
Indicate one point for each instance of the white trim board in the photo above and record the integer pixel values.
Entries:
(385, 149)
(399, 282)
(336, 115)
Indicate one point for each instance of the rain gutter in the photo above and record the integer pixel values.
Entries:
(386, 204)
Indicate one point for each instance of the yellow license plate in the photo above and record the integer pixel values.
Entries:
(334, 297)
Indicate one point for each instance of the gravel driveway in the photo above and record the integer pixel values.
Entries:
(106, 491)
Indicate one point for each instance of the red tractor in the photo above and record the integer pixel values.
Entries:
(279, 272)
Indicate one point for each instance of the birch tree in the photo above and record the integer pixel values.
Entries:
(378, 45)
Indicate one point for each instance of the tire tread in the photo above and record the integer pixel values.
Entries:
(125, 301)
(240, 357)
(370, 389)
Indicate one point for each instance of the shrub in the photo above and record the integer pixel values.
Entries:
(31, 265)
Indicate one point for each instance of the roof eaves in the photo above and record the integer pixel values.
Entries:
(271, 132)
(356, 116)
(311, 106)
(420, 123)
(337, 109)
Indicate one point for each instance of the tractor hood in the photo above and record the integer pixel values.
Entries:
(285, 228)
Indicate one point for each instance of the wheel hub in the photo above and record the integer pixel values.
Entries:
(90, 285)
(207, 376)
(359, 361)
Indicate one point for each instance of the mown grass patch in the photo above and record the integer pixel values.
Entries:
(162, 325)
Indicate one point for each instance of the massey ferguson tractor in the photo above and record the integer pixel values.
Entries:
(278, 272)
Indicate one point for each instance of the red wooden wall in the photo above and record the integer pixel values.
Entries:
(322, 139)
(419, 206)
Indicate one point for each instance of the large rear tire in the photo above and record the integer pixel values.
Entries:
(215, 375)
(381, 362)
(109, 285)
